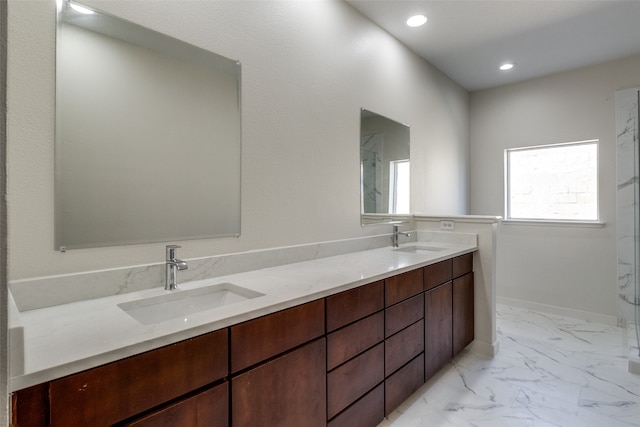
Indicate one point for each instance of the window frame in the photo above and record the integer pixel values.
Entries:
(394, 187)
(550, 221)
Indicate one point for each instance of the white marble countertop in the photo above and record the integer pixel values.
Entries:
(69, 338)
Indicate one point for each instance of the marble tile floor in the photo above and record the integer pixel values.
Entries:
(550, 371)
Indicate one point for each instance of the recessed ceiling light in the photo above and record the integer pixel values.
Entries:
(507, 66)
(81, 9)
(416, 20)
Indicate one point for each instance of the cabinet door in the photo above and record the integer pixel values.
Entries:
(438, 331)
(209, 408)
(463, 312)
(287, 391)
(402, 286)
(123, 389)
(257, 340)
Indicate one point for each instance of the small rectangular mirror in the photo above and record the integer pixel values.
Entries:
(384, 168)
(147, 135)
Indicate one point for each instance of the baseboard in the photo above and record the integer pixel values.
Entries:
(561, 311)
(485, 349)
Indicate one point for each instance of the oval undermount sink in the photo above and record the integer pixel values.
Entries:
(419, 248)
(181, 303)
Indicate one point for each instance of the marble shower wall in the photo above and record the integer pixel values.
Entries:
(627, 123)
(371, 149)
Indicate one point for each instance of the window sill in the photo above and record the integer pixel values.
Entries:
(554, 223)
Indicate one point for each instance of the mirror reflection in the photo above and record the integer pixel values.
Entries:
(384, 167)
(147, 135)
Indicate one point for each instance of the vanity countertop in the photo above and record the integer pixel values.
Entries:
(69, 338)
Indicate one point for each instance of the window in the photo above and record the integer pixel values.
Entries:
(552, 182)
(399, 186)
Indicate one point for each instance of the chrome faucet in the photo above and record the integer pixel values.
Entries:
(172, 265)
(396, 233)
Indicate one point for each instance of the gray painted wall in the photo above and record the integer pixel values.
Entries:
(307, 69)
(562, 266)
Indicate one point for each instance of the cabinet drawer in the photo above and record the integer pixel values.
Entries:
(349, 382)
(287, 391)
(354, 304)
(401, 315)
(209, 408)
(122, 389)
(462, 264)
(403, 346)
(437, 274)
(403, 383)
(352, 340)
(366, 412)
(402, 286)
(260, 339)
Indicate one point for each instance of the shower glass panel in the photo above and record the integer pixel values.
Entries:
(628, 170)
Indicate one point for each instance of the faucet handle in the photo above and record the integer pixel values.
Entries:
(171, 251)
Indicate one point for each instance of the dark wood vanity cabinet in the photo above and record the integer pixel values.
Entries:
(345, 360)
(348, 342)
(366, 412)
(289, 390)
(462, 265)
(352, 380)
(178, 381)
(403, 286)
(403, 383)
(463, 312)
(30, 406)
(438, 332)
(438, 273)
(259, 339)
(403, 346)
(355, 356)
(438, 312)
(463, 302)
(123, 389)
(205, 408)
(285, 384)
(404, 337)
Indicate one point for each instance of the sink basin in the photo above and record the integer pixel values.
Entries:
(183, 303)
(419, 248)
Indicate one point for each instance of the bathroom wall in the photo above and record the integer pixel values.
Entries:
(570, 267)
(307, 69)
(4, 371)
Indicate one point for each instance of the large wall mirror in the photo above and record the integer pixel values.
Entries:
(384, 168)
(147, 135)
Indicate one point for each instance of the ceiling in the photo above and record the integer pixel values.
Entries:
(469, 39)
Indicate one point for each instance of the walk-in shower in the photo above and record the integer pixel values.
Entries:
(628, 177)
